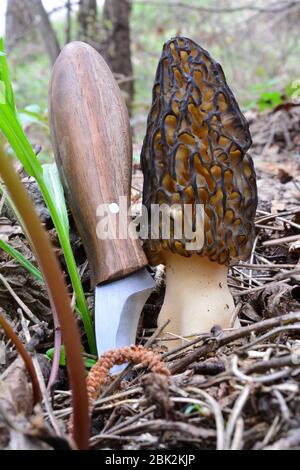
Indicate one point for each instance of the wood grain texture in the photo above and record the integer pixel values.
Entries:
(92, 144)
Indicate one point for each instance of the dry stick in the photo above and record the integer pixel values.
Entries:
(215, 407)
(279, 241)
(26, 358)
(95, 440)
(117, 396)
(111, 419)
(274, 332)
(235, 414)
(262, 380)
(275, 363)
(248, 276)
(28, 312)
(59, 297)
(160, 425)
(40, 377)
(271, 432)
(121, 376)
(235, 314)
(65, 412)
(237, 439)
(283, 406)
(57, 352)
(290, 222)
(270, 227)
(235, 286)
(269, 216)
(215, 343)
(252, 257)
(288, 274)
(265, 267)
(199, 339)
(130, 401)
(258, 289)
(279, 217)
(133, 420)
(268, 264)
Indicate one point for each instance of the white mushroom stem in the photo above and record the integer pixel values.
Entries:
(197, 297)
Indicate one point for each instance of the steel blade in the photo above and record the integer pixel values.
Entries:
(118, 306)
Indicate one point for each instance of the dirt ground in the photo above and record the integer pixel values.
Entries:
(233, 389)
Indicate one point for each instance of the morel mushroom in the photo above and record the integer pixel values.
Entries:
(194, 153)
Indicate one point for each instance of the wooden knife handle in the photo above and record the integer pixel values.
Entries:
(92, 145)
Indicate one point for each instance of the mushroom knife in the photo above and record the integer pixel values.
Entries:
(93, 150)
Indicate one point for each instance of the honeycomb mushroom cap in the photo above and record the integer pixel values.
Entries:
(194, 152)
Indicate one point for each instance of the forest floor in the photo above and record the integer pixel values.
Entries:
(233, 389)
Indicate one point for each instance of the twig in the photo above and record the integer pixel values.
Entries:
(268, 335)
(160, 425)
(133, 420)
(270, 227)
(215, 407)
(235, 314)
(262, 380)
(266, 267)
(252, 258)
(216, 342)
(24, 307)
(267, 216)
(258, 289)
(200, 338)
(235, 414)
(275, 363)
(279, 241)
(26, 358)
(283, 406)
(237, 441)
(271, 432)
(248, 276)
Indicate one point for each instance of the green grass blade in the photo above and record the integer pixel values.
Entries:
(22, 260)
(5, 78)
(52, 181)
(13, 131)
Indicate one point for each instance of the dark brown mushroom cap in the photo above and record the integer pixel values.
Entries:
(194, 152)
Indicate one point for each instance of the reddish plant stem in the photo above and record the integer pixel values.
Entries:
(37, 396)
(58, 296)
